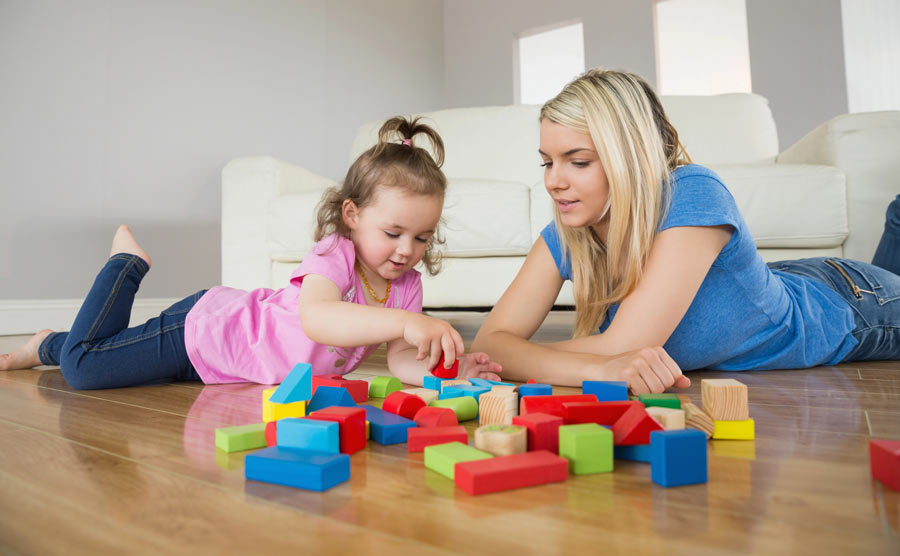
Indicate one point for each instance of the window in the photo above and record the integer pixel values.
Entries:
(545, 60)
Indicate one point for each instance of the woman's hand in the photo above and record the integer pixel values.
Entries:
(646, 370)
(431, 336)
(479, 365)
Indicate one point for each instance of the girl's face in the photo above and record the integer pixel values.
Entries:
(573, 175)
(391, 233)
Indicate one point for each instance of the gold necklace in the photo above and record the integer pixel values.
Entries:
(369, 289)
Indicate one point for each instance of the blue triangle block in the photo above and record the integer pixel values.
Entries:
(296, 386)
(297, 468)
(329, 396)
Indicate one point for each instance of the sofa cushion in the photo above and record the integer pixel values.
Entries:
(290, 224)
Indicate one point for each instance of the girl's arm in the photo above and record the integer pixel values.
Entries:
(402, 362)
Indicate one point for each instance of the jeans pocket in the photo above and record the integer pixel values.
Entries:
(882, 285)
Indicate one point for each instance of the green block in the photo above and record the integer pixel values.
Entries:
(465, 407)
(588, 447)
(660, 400)
(443, 458)
(243, 437)
(383, 386)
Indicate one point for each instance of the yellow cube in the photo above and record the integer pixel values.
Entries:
(274, 411)
(733, 430)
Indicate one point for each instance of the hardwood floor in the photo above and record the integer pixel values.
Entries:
(135, 470)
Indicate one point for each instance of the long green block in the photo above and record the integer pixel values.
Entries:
(240, 438)
(660, 400)
(443, 458)
(465, 407)
(588, 447)
(383, 386)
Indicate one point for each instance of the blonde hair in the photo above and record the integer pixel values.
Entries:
(638, 149)
(394, 161)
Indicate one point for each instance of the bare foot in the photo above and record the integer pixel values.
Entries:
(26, 356)
(124, 242)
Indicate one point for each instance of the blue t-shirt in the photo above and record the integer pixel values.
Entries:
(745, 316)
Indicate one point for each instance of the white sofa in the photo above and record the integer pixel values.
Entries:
(825, 195)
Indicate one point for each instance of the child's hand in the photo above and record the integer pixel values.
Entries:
(479, 365)
(431, 336)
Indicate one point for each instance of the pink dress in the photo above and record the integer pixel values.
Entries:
(238, 336)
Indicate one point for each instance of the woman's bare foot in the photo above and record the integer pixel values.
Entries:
(124, 242)
(26, 356)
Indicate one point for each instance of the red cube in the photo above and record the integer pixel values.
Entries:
(543, 430)
(884, 460)
(352, 426)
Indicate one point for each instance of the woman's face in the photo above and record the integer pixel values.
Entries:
(573, 175)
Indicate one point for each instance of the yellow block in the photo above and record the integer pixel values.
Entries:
(734, 430)
(275, 411)
(367, 430)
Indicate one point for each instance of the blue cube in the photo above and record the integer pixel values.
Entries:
(433, 382)
(309, 434)
(535, 390)
(678, 457)
(606, 391)
(297, 468)
(330, 396)
(386, 428)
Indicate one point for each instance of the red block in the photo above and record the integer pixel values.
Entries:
(271, 433)
(359, 389)
(509, 472)
(602, 413)
(440, 372)
(884, 459)
(543, 431)
(403, 404)
(531, 381)
(352, 426)
(551, 404)
(634, 427)
(435, 417)
(417, 439)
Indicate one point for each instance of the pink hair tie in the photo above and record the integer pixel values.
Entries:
(407, 142)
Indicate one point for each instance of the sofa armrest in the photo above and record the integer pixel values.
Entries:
(248, 184)
(864, 146)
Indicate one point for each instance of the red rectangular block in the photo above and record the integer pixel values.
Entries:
(272, 433)
(418, 438)
(509, 472)
(543, 431)
(634, 427)
(359, 389)
(352, 426)
(884, 460)
(602, 413)
(551, 405)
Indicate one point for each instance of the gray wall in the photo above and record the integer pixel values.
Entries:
(126, 111)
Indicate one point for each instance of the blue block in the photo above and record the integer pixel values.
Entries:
(535, 390)
(498, 383)
(296, 386)
(386, 428)
(448, 392)
(329, 396)
(297, 468)
(467, 390)
(678, 457)
(309, 434)
(606, 391)
(638, 452)
(433, 382)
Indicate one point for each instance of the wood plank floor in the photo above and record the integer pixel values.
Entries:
(135, 470)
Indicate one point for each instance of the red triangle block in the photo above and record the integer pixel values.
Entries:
(634, 427)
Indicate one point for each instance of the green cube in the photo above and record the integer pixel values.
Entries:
(588, 447)
(660, 400)
(443, 458)
(383, 386)
(243, 437)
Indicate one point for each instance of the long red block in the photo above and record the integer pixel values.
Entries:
(884, 460)
(403, 404)
(271, 433)
(417, 438)
(509, 472)
(352, 426)
(543, 431)
(551, 405)
(602, 413)
(436, 417)
(634, 427)
(359, 389)
(440, 372)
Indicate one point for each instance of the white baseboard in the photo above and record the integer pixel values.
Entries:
(27, 316)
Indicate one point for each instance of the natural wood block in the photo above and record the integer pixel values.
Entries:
(670, 419)
(446, 383)
(427, 394)
(501, 440)
(497, 407)
(734, 430)
(725, 399)
(696, 418)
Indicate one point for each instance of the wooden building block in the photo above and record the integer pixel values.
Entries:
(497, 407)
(241, 437)
(670, 419)
(635, 452)
(468, 390)
(296, 386)
(436, 417)
(351, 426)
(510, 472)
(329, 396)
(725, 399)
(535, 389)
(602, 413)
(660, 400)
(441, 372)
(588, 447)
(387, 428)
(432, 382)
(443, 458)
(884, 462)
(419, 438)
(678, 457)
(543, 430)
(734, 430)
(271, 433)
(466, 408)
(297, 468)
(606, 390)
(696, 418)
(427, 394)
(502, 440)
(382, 386)
(359, 389)
(550, 404)
(450, 393)
(451, 382)
(505, 389)
(309, 434)
(274, 411)
(403, 404)
(634, 427)
(492, 383)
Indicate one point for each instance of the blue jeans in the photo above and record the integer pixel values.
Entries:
(102, 352)
(887, 254)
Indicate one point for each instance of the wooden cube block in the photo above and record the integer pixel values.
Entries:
(427, 394)
(725, 399)
(884, 461)
(670, 419)
(443, 458)
(543, 430)
(734, 430)
(696, 418)
(502, 440)
(497, 407)
(351, 426)
(678, 457)
(588, 447)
